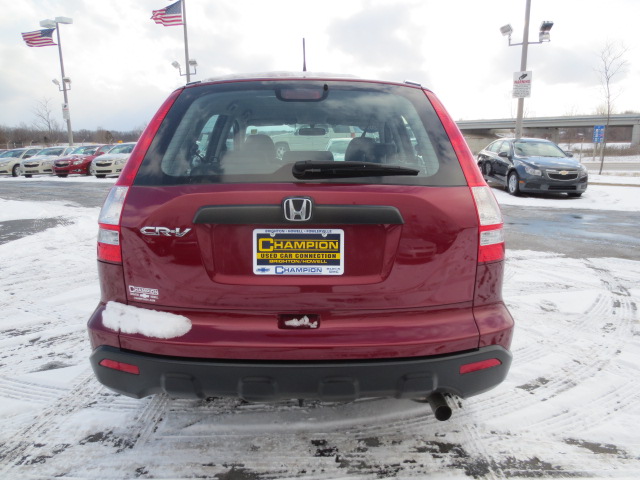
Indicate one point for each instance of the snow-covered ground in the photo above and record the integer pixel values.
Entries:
(597, 197)
(570, 406)
(69, 180)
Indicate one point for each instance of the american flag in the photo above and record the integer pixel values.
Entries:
(169, 16)
(39, 38)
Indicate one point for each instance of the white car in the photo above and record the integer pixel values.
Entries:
(42, 163)
(113, 162)
(10, 159)
(338, 147)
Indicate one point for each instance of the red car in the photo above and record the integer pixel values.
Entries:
(78, 162)
(228, 271)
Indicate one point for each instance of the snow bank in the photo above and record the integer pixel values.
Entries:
(617, 178)
(19, 210)
(597, 197)
(150, 323)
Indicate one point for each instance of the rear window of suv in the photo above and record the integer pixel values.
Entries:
(229, 133)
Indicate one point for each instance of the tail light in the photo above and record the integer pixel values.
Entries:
(491, 245)
(491, 241)
(142, 145)
(109, 249)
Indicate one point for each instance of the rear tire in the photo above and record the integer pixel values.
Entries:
(15, 171)
(513, 184)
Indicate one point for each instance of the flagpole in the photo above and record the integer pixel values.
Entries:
(64, 89)
(186, 41)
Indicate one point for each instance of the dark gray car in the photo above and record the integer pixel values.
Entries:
(533, 165)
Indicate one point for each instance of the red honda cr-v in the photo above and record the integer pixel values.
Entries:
(229, 270)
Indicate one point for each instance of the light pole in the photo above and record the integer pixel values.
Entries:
(188, 73)
(66, 82)
(544, 36)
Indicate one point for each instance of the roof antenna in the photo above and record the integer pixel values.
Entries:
(304, 57)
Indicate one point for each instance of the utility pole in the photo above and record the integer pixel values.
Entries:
(520, 93)
(523, 67)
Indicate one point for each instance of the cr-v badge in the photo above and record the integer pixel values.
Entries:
(164, 231)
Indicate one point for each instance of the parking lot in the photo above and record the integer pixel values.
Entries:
(567, 408)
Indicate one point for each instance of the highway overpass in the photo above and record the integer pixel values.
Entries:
(486, 129)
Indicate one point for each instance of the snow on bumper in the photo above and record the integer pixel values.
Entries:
(150, 323)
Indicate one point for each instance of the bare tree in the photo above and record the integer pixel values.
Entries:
(4, 137)
(23, 135)
(44, 121)
(612, 62)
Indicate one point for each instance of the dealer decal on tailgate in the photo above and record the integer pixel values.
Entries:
(298, 252)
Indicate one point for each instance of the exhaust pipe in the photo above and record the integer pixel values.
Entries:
(438, 405)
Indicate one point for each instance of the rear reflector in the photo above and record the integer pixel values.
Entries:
(482, 365)
(122, 367)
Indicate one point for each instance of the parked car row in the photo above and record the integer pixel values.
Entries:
(10, 159)
(525, 165)
(97, 160)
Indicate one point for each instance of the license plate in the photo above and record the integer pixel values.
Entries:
(298, 252)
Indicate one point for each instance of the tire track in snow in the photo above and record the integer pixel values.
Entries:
(621, 319)
(329, 446)
(570, 373)
(26, 445)
(29, 391)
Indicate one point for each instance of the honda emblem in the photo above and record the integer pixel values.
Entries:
(297, 209)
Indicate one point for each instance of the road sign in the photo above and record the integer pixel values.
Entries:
(522, 84)
(598, 133)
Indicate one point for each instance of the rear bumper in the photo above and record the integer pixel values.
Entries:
(262, 381)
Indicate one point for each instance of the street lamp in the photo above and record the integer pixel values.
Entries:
(66, 81)
(543, 37)
(188, 73)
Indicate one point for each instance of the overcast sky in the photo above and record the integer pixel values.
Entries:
(119, 60)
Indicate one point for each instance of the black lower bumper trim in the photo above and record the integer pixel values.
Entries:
(263, 381)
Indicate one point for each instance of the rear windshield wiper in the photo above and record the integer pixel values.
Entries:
(313, 169)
